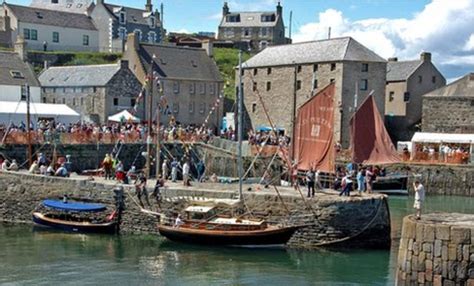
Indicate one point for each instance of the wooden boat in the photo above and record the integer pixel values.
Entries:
(391, 185)
(64, 216)
(202, 227)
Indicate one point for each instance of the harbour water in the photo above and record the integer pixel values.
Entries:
(38, 257)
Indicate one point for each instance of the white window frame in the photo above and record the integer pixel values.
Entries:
(122, 33)
(152, 22)
(151, 37)
(138, 33)
(123, 17)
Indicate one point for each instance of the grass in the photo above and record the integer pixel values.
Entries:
(227, 59)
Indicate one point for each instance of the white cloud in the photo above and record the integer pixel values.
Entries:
(443, 27)
(183, 31)
(256, 5)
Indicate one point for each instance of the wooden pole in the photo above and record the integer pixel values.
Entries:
(239, 127)
(28, 123)
(158, 135)
(150, 119)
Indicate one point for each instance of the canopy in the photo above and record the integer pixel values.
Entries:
(370, 142)
(74, 206)
(424, 137)
(267, 128)
(123, 116)
(11, 111)
(314, 132)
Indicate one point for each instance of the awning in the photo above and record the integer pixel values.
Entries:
(74, 206)
(199, 209)
(123, 116)
(425, 137)
(268, 128)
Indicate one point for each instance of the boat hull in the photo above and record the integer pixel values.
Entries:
(272, 236)
(80, 227)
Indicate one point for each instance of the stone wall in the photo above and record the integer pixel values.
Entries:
(437, 250)
(449, 114)
(326, 220)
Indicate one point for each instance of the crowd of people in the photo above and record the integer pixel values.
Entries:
(268, 138)
(446, 153)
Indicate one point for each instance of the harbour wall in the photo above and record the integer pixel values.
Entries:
(325, 220)
(437, 250)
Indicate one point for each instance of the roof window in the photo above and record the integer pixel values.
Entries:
(16, 74)
(233, 18)
(38, 14)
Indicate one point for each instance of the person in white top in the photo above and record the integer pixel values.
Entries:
(419, 198)
(186, 169)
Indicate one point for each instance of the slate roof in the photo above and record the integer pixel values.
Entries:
(249, 19)
(329, 50)
(400, 71)
(51, 18)
(10, 61)
(180, 62)
(78, 76)
(71, 6)
(463, 87)
(133, 15)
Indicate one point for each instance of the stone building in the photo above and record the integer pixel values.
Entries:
(189, 80)
(407, 81)
(115, 22)
(252, 30)
(47, 29)
(271, 74)
(450, 109)
(94, 91)
(16, 74)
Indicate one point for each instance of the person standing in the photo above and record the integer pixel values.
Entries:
(186, 170)
(174, 170)
(419, 198)
(164, 169)
(310, 182)
(107, 164)
(361, 180)
(369, 176)
(201, 169)
(346, 185)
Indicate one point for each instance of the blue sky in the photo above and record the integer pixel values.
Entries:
(401, 28)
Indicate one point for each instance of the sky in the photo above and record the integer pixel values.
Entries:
(392, 28)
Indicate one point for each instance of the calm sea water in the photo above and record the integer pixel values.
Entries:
(29, 256)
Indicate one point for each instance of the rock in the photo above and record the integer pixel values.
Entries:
(452, 251)
(428, 233)
(437, 248)
(442, 232)
(460, 235)
(437, 280)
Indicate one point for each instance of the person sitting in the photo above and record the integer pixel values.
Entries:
(61, 172)
(13, 166)
(214, 178)
(50, 171)
(5, 165)
(178, 221)
(34, 168)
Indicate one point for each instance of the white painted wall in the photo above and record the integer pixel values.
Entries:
(13, 93)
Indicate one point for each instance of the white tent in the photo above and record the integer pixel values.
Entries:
(444, 138)
(15, 112)
(123, 116)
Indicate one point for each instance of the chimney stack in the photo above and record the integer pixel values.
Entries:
(279, 9)
(425, 56)
(225, 9)
(394, 59)
(123, 64)
(148, 6)
(20, 47)
(209, 47)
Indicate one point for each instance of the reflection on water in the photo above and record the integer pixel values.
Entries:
(31, 256)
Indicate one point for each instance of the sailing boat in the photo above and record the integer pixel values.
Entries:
(203, 226)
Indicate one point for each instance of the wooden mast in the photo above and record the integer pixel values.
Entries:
(239, 127)
(28, 124)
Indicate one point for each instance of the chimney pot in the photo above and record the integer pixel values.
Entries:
(394, 59)
(425, 56)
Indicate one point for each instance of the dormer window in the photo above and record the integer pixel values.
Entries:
(152, 22)
(16, 74)
(122, 18)
(268, 18)
(138, 34)
(122, 33)
(233, 18)
(151, 37)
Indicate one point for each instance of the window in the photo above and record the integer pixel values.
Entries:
(176, 87)
(229, 32)
(85, 40)
(26, 34)
(191, 88)
(332, 80)
(64, 101)
(202, 88)
(24, 92)
(151, 37)
(202, 109)
(333, 66)
(175, 108)
(406, 96)
(254, 87)
(269, 70)
(54, 1)
(233, 18)
(255, 71)
(263, 44)
(133, 101)
(122, 18)
(433, 79)
(254, 107)
(79, 5)
(315, 67)
(44, 100)
(246, 32)
(268, 18)
(420, 79)
(122, 33)
(269, 85)
(16, 74)
(364, 84)
(138, 34)
(299, 69)
(191, 107)
(315, 84)
(55, 37)
(34, 35)
(74, 101)
(54, 100)
(391, 96)
(116, 102)
(94, 89)
(365, 67)
(152, 22)
(211, 89)
(298, 84)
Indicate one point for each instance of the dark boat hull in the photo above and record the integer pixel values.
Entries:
(73, 226)
(274, 236)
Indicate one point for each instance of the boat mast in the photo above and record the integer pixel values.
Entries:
(158, 146)
(239, 126)
(150, 118)
(28, 123)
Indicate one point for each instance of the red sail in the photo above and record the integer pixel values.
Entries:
(370, 142)
(314, 132)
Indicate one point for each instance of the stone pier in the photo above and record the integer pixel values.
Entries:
(437, 250)
(325, 220)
